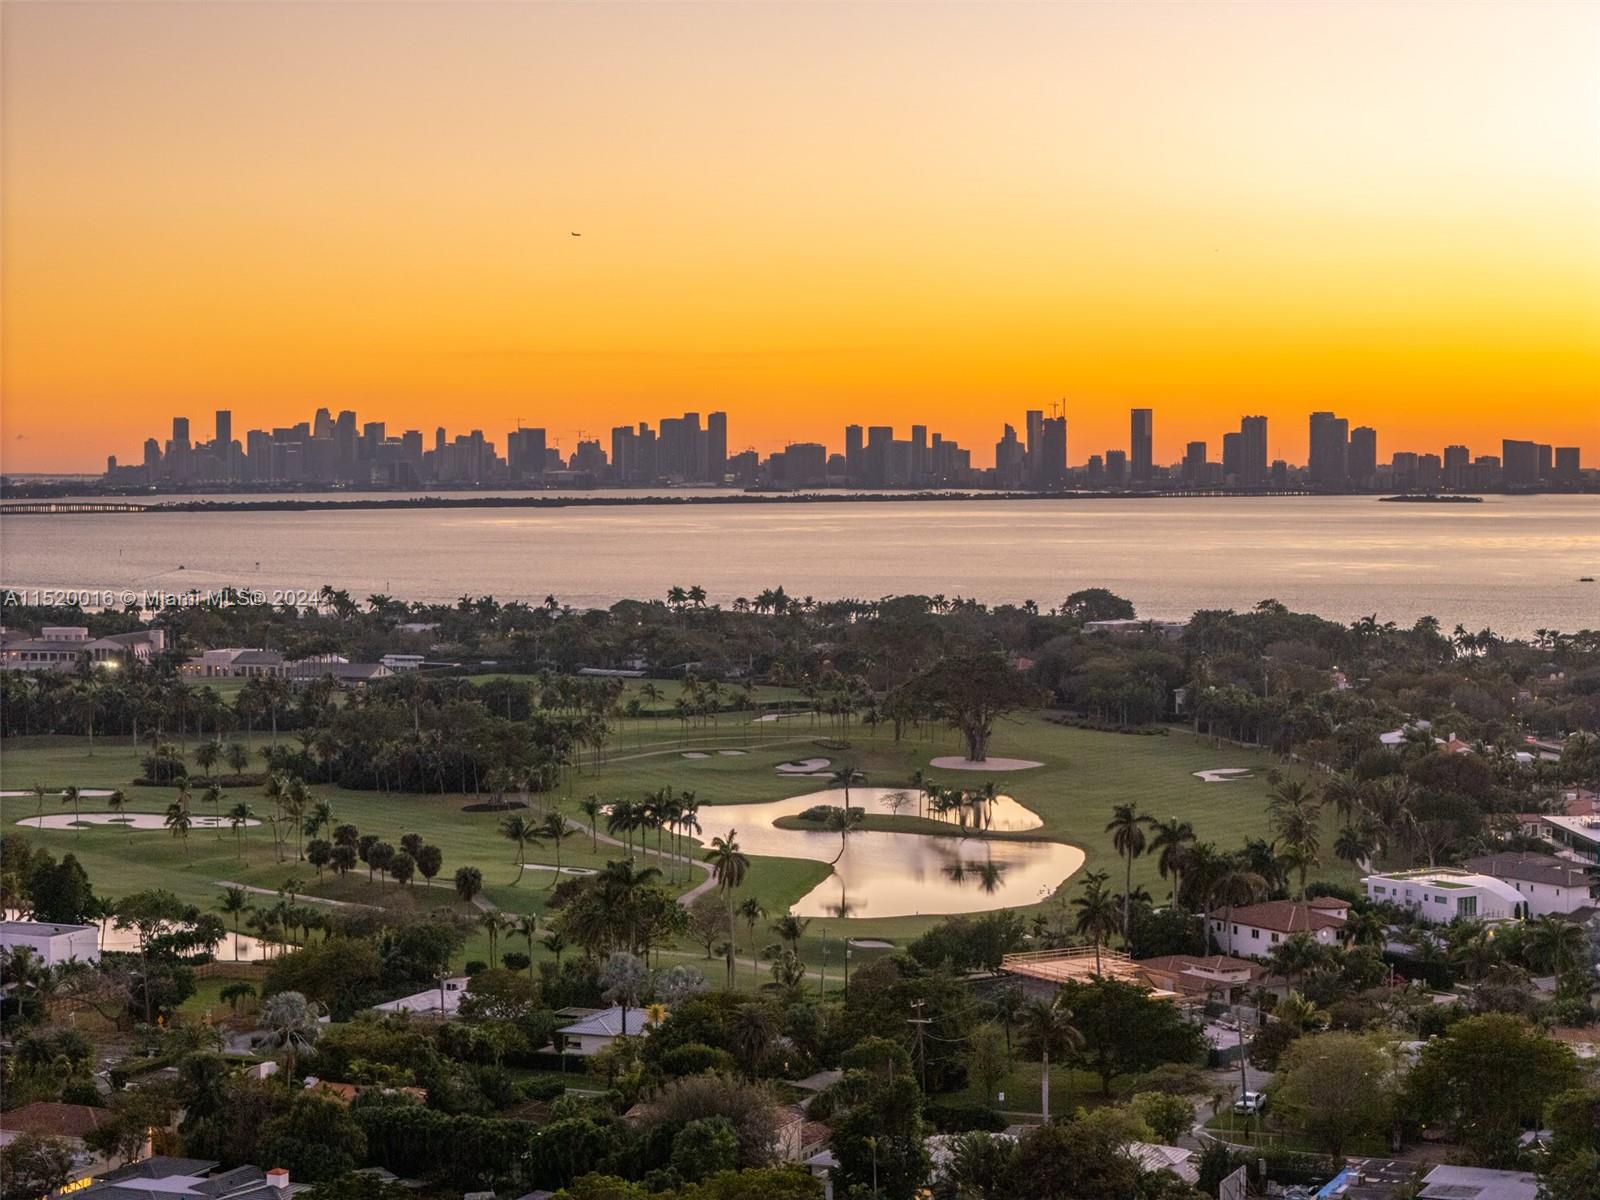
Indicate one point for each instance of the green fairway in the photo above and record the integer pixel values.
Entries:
(1084, 774)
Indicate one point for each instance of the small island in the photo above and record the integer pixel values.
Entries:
(1429, 498)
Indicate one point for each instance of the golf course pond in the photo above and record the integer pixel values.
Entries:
(883, 874)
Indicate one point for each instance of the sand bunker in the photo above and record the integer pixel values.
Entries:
(127, 821)
(693, 754)
(952, 763)
(730, 753)
(871, 944)
(803, 766)
(1223, 774)
(83, 793)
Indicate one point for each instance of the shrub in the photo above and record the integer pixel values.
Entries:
(963, 1118)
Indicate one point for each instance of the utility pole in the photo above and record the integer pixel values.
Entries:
(921, 1022)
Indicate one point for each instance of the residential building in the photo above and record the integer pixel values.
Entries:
(1549, 884)
(237, 662)
(1212, 976)
(1439, 895)
(593, 1033)
(1141, 449)
(1329, 450)
(1254, 929)
(1577, 838)
(54, 944)
(163, 1178)
(1478, 1183)
(441, 1001)
(64, 647)
(71, 1123)
(1252, 451)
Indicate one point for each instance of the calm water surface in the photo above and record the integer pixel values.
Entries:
(902, 874)
(1510, 563)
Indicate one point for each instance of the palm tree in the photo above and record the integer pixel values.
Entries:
(1127, 828)
(235, 903)
(1171, 847)
(178, 820)
(790, 928)
(469, 882)
(843, 776)
(753, 913)
(296, 799)
(492, 922)
(118, 803)
(729, 866)
(1097, 912)
(1047, 1027)
(843, 821)
(1555, 945)
(1353, 846)
(71, 795)
(528, 927)
(554, 943)
(591, 807)
(38, 797)
(1238, 883)
(518, 830)
(240, 816)
(291, 1023)
(653, 695)
(554, 830)
(623, 818)
(213, 797)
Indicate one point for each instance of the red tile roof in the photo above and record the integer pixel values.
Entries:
(46, 1118)
(1281, 916)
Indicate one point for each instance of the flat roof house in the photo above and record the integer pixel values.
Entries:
(1439, 895)
(1577, 838)
(441, 1001)
(1548, 884)
(1213, 976)
(1254, 929)
(54, 944)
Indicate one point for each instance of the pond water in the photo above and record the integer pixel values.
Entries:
(902, 874)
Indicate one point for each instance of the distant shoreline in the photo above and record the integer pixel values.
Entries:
(133, 505)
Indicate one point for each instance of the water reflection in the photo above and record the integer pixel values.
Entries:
(904, 874)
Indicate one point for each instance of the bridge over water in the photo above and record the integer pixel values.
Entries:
(24, 508)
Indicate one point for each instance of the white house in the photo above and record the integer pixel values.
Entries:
(54, 944)
(1440, 895)
(594, 1033)
(1548, 884)
(1252, 930)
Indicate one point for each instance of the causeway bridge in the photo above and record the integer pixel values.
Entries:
(24, 508)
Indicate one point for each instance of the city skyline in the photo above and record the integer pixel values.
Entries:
(345, 450)
(1383, 211)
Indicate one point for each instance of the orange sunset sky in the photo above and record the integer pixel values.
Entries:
(805, 214)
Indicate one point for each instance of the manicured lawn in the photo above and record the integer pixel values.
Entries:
(1084, 774)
